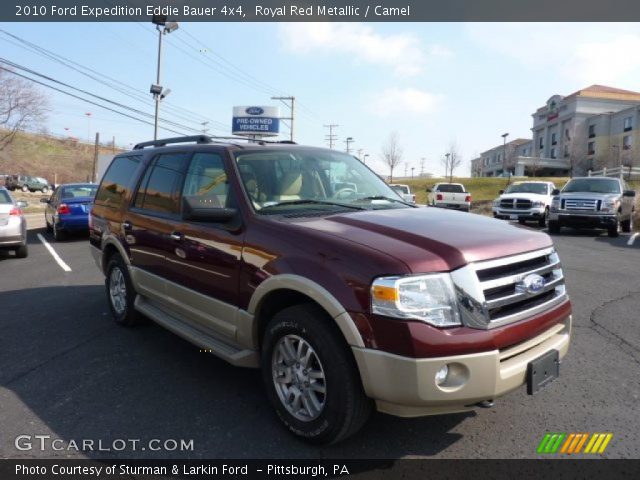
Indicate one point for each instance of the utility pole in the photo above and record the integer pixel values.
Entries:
(95, 157)
(359, 153)
(331, 138)
(204, 127)
(292, 106)
(349, 141)
(422, 160)
(412, 169)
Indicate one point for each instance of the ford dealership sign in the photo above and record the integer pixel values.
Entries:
(256, 121)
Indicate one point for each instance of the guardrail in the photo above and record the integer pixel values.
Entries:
(628, 173)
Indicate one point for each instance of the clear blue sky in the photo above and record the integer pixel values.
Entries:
(432, 83)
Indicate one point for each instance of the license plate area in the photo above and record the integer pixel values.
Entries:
(513, 217)
(542, 371)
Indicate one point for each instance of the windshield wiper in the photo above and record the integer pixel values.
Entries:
(311, 202)
(389, 199)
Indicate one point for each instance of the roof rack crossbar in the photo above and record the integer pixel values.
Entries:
(166, 141)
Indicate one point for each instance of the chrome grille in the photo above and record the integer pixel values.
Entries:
(501, 294)
(579, 204)
(516, 203)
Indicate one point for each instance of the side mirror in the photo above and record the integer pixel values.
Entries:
(44, 199)
(556, 191)
(500, 192)
(21, 204)
(629, 193)
(203, 209)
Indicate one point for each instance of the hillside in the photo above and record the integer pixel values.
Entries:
(56, 159)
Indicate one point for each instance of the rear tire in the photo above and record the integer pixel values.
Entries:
(58, 234)
(25, 188)
(45, 189)
(120, 292)
(554, 227)
(311, 377)
(22, 251)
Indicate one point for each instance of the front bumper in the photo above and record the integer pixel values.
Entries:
(406, 387)
(584, 220)
(517, 214)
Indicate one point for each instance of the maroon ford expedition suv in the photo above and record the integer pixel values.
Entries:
(302, 262)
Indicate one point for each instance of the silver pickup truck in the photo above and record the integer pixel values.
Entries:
(593, 202)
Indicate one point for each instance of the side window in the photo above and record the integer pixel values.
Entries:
(159, 190)
(117, 180)
(207, 177)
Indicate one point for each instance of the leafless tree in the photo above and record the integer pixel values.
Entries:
(577, 145)
(21, 106)
(510, 158)
(451, 161)
(392, 153)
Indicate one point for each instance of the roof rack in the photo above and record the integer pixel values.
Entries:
(166, 141)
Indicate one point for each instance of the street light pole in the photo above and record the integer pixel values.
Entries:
(504, 152)
(349, 141)
(163, 27)
(364, 158)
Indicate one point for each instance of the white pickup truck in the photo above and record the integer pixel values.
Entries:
(449, 195)
(404, 191)
(525, 201)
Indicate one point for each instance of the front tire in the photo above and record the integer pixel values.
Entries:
(311, 377)
(614, 231)
(22, 251)
(544, 219)
(554, 227)
(120, 292)
(25, 188)
(627, 225)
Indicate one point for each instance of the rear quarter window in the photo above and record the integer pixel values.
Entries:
(117, 181)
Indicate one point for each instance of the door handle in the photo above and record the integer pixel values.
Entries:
(176, 236)
(127, 226)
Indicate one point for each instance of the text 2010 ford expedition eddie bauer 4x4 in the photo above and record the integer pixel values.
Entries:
(346, 297)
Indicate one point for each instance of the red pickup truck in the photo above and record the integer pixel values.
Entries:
(302, 262)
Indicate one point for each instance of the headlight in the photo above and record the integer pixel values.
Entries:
(555, 202)
(428, 298)
(537, 204)
(609, 205)
(496, 203)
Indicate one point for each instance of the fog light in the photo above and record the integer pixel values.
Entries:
(441, 376)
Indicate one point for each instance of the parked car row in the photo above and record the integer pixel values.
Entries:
(27, 183)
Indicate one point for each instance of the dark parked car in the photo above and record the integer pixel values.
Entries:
(27, 183)
(68, 208)
(13, 226)
(302, 262)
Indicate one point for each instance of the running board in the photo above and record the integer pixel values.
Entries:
(229, 353)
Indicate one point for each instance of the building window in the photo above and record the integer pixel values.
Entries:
(553, 153)
(566, 151)
(554, 138)
(591, 148)
(567, 134)
(626, 142)
(540, 143)
(628, 124)
(592, 131)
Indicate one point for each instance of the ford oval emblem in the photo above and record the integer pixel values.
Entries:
(254, 111)
(530, 284)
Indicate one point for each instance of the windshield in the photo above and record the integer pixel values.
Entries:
(74, 191)
(539, 188)
(595, 185)
(4, 197)
(41, 180)
(450, 188)
(310, 179)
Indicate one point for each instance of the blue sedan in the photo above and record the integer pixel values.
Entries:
(68, 208)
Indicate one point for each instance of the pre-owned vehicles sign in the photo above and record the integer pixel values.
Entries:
(256, 121)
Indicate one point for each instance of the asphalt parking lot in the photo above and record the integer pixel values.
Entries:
(66, 370)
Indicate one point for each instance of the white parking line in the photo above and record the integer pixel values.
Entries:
(632, 239)
(54, 254)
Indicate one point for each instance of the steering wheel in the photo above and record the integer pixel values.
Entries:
(344, 193)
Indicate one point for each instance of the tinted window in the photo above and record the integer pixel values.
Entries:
(538, 188)
(207, 178)
(450, 188)
(160, 188)
(116, 182)
(75, 191)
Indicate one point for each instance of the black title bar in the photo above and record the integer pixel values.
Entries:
(321, 11)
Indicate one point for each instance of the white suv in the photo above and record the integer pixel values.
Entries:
(525, 201)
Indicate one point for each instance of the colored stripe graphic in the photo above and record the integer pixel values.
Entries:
(572, 443)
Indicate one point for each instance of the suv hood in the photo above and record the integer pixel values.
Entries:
(430, 239)
(591, 195)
